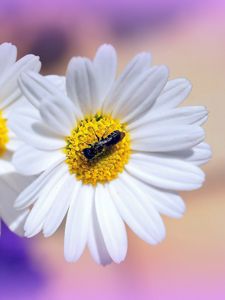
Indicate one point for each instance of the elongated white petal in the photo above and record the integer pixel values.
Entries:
(111, 224)
(197, 155)
(29, 195)
(8, 53)
(165, 201)
(136, 66)
(59, 114)
(78, 223)
(179, 116)
(96, 242)
(44, 202)
(60, 206)
(9, 90)
(166, 173)
(35, 133)
(201, 154)
(81, 85)
(30, 161)
(105, 64)
(36, 87)
(13, 218)
(137, 99)
(162, 138)
(174, 93)
(139, 214)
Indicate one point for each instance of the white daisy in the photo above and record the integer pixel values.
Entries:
(10, 98)
(156, 152)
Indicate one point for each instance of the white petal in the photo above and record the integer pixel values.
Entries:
(59, 81)
(173, 94)
(137, 98)
(36, 87)
(15, 181)
(35, 133)
(164, 138)
(9, 90)
(58, 114)
(111, 225)
(198, 155)
(137, 211)
(179, 116)
(60, 206)
(164, 201)
(13, 218)
(31, 193)
(81, 85)
(136, 66)
(44, 202)
(96, 242)
(30, 161)
(166, 173)
(8, 53)
(6, 167)
(105, 64)
(13, 144)
(24, 110)
(78, 223)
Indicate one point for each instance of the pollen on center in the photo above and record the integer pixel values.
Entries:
(107, 163)
(3, 134)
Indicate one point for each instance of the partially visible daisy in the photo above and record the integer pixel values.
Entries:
(109, 152)
(10, 98)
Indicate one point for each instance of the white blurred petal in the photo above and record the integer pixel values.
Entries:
(78, 223)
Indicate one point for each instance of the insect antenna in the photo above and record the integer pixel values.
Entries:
(106, 131)
(98, 138)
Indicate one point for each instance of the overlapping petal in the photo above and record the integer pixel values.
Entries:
(31, 161)
(111, 225)
(139, 214)
(105, 65)
(36, 87)
(166, 137)
(77, 223)
(138, 64)
(164, 172)
(82, 85)
(9, 89)
(8, 53)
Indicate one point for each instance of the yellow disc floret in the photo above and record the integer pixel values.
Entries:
(109, 162)
(3, 134)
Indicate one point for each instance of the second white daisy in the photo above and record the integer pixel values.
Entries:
(11, 183)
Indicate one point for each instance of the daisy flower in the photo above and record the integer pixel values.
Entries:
(109, 152)
(10, 98)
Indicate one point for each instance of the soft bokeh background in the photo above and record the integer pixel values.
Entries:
(188, 36)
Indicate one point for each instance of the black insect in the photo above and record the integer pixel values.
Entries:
(102, 144)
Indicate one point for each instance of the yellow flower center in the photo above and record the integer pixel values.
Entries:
(106, 162)
(3, 134)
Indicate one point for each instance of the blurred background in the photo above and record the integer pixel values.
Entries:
(189, 37)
